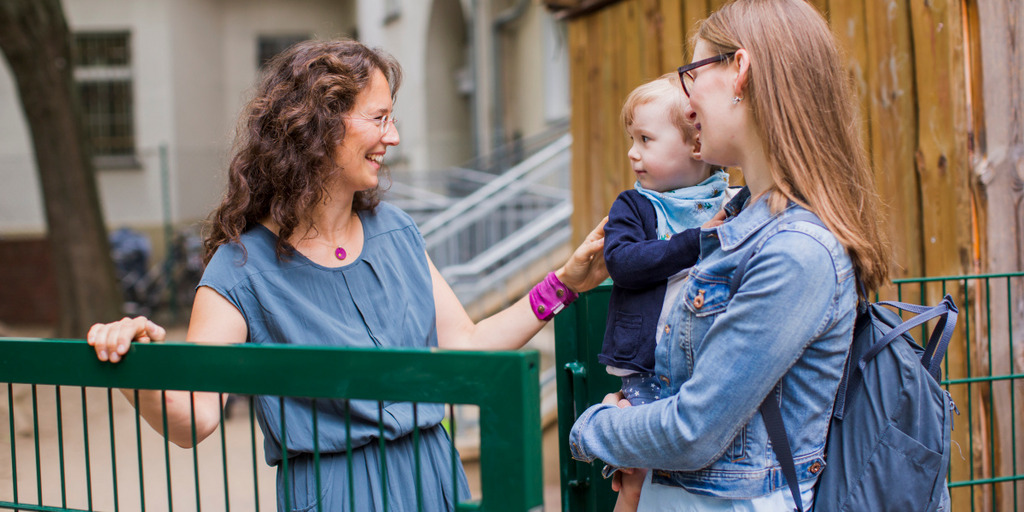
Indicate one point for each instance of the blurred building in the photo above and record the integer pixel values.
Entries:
(162, 83)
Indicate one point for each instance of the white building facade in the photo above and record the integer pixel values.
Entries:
(478, 73)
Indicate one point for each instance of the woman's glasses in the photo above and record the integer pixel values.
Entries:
(685, 75)
(382, 122)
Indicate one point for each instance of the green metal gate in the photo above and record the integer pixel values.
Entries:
(73, 411)
(986, 381)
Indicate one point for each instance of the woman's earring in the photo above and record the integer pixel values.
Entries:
(736, 99)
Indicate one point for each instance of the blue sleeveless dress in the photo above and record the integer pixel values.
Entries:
(382, 299)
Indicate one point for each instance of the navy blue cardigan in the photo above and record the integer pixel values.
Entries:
(639, 265)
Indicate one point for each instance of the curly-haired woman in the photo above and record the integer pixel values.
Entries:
(302, 250)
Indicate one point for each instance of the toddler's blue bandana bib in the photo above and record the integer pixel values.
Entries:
(687, 207)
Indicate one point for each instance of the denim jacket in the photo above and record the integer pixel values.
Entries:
(791, 318)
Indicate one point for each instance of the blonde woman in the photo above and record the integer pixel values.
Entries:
(768, 94)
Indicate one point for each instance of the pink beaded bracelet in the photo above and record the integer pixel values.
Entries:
(549, 296)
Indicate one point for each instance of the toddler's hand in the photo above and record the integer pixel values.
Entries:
(715, 221)
(616, 399)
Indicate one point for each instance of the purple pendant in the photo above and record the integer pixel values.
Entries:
(340, 253)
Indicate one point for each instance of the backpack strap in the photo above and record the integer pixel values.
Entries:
(772, 416)
(839, 408)
(770, 411)
(937, 343)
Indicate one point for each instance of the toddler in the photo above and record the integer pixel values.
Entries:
(652, 238)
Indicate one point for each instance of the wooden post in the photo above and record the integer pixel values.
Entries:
(998, 173)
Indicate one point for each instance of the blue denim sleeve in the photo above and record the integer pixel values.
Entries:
(788, 298)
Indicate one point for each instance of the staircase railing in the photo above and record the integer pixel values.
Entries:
(496, 232)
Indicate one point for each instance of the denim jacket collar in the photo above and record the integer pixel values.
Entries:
(755, 216)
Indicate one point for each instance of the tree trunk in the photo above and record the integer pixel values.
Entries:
(35, 39)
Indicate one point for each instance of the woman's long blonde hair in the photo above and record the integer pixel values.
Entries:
(805, 110)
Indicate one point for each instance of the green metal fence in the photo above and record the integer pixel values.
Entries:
(69, 448)
(984, 373)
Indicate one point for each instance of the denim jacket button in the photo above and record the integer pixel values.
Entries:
(664, 379)
(698, 301)
(815, 467)
(667, 329)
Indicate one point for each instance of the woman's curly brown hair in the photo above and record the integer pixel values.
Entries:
(287, 136)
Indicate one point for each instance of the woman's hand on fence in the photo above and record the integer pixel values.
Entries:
(585, 268)
(111, 341)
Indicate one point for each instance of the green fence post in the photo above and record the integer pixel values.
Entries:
(579, 333)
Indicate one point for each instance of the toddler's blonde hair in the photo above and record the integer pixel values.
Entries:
(664, 88)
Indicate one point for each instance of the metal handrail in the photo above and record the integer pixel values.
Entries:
(514, 243)
(455, 217)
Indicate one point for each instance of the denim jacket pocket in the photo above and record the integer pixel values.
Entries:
(737, 450)
(705, 294)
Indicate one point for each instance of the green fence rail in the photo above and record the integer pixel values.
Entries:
(984, 372)
(69, 436)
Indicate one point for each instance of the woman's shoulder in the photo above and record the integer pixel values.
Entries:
(798, 219)
(803, 239)
(251, 254)
(385, 218)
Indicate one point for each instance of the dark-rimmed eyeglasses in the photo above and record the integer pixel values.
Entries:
(685, 75)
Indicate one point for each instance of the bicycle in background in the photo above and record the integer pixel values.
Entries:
(166, 288)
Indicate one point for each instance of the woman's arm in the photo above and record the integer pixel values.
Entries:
(214, 320)
(512, 327)
(748, 348)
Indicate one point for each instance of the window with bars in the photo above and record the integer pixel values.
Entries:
(102, 72)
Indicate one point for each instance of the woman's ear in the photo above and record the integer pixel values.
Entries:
(741, 61)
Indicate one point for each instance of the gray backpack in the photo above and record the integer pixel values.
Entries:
(888, 445)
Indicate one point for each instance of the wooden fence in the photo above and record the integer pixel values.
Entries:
(949, 170)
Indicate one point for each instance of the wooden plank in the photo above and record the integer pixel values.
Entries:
(891, 112)
(944, 187)
(715, 4)
(998, 107)
(673, 35)
(623, 51)
(821, 6)
(849, 24)
(648, 32)
(581, 74)
(694, 11)
(942, 134)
